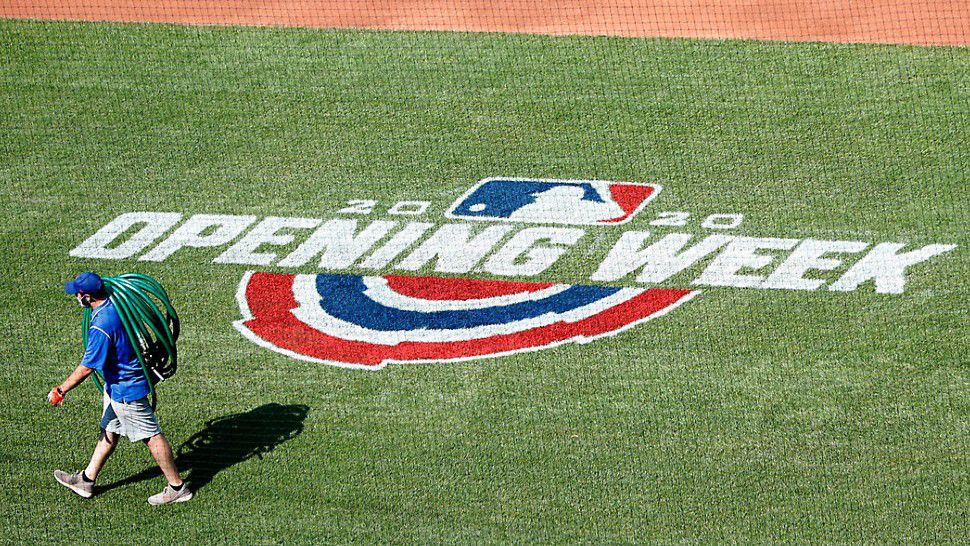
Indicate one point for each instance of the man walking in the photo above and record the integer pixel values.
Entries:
(127, 411)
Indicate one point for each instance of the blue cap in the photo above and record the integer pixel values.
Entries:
(87, 283)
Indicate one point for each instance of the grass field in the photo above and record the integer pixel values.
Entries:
(748, 416)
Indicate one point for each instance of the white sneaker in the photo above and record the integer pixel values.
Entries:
(169, 495)
(75, 483)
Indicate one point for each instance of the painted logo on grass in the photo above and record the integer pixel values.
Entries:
(370, 321)
(575, 202)
(347, 319)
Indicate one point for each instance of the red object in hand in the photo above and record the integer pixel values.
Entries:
(55, 397)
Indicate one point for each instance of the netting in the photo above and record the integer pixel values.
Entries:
(925, 22)
(562, 271)
(811, 119)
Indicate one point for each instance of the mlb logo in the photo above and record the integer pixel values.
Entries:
(574, 202)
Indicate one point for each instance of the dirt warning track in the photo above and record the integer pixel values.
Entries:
(920, 22)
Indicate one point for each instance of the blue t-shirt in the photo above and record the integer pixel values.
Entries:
(110, 353)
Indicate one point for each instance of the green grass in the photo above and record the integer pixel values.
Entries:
(745, 416)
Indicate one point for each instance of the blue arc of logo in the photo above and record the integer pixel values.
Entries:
(342, 297)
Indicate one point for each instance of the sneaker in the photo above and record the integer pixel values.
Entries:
(75, 483)
(169, 495)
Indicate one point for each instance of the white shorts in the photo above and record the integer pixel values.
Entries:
(135, 420)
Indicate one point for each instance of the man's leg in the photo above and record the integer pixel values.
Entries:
(82, 483)
(162, 452)
(176, 491)
(106, 446)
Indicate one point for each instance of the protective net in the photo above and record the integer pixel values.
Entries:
(926, 22)
(546, 271)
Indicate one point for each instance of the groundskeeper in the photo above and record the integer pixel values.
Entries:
(110, 355)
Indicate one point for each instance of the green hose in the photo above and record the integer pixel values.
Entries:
(150, 321)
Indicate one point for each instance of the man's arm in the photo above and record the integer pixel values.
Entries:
(94, 358)
(56, 396)
(77, 376)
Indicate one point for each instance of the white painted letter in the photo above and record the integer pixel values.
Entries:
(339, 242)
(265, 233)
(739, 254)
(190, 233)
(537, 258)
(155, 225)
(887, 268)
(659, 261)
(398, 243)
(808, 256)
(455, 248)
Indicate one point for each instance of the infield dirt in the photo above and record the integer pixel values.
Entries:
(918, 22)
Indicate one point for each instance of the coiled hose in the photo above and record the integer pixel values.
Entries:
(150, 321)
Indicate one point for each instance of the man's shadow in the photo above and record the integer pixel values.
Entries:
(227, 441)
